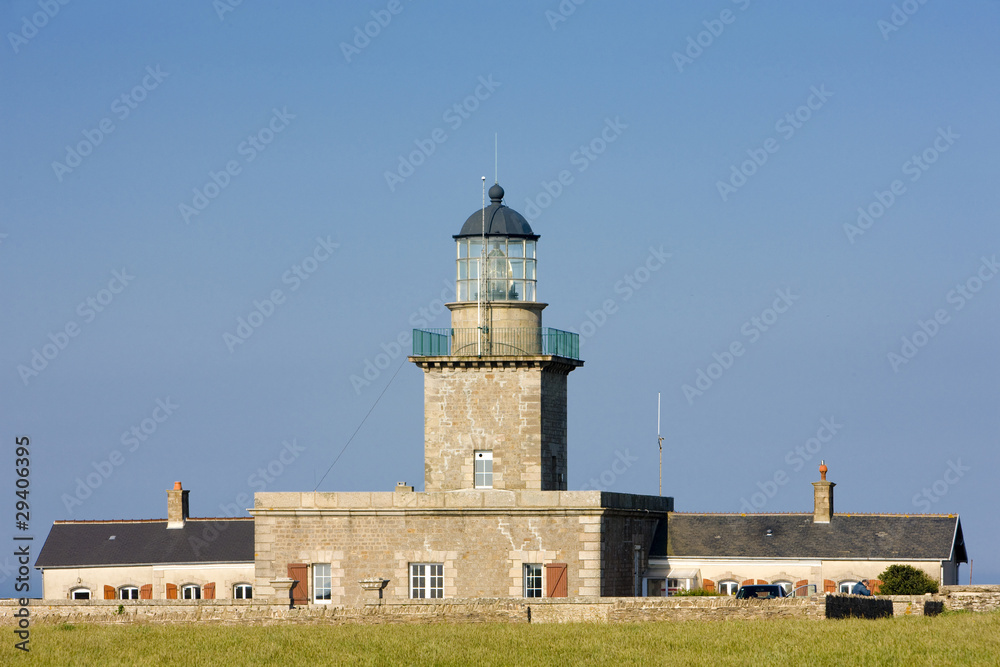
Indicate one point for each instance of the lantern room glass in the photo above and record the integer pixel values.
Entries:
(510, 269)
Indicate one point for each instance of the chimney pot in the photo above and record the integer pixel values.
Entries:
(177, 486)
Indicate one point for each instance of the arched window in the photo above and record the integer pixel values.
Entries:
(728, 587)
(243, 592)
(846, 586)
(191, 592)
(128, 593)
(80, 594)
(786, 585)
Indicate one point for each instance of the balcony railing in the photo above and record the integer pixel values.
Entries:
(486, 342)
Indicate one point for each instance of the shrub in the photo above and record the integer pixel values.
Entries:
(906, 580)
(694, 592)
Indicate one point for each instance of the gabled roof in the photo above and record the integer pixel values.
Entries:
(847, 536)
(103, 543)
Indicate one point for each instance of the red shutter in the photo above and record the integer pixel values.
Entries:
(300, 589)
(747, 582)
(171, 591)
(829, 586)
(801, 587)
(109, 593)
(146, 592)
(874, 585)
(556, 585)
(708, 585)
(761, 582)
(208, 591)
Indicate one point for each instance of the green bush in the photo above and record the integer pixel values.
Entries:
(695, 592)
(906, 580)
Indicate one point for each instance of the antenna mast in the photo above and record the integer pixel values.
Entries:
(496, 170)
(659, 439)
(482, 268)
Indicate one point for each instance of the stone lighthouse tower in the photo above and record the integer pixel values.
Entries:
(495, 380)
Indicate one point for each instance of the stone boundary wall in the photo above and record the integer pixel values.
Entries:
(970, 598)
(915, 605)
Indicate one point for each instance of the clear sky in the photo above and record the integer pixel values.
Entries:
(780, 217)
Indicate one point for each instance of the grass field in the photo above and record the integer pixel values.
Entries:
(951, 639)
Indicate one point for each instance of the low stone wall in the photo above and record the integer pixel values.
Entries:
(970, 598)
(915, 605)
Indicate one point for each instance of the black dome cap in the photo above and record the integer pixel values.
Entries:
(500, 220)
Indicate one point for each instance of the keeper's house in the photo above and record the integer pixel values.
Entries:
(169, 559)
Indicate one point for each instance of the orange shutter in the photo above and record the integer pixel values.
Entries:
(829, 586)
(708, 585)
(300, 589)
(801, 587)
(146, 592)
(761, 582)
(208, 591)
(109, 593)
(171, 591)
(556, 585)
(874, 585)
(747, 582)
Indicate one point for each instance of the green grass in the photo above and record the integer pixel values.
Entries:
(950, 639)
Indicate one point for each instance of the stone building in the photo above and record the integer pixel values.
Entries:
(495, 518)
(156, 559)
(805, 553)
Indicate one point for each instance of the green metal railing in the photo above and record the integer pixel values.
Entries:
(474, 342)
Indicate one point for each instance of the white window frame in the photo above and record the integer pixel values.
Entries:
(732, 585)
(322, 582)
(787, 585)
(187, 589)
(426, 581)
(482, 468)
(80, 593)
(532, 579)
(246, 588)
(133, 592)
(846, 586)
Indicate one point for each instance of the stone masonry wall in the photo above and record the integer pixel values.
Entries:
(971, 598)
(554, 461)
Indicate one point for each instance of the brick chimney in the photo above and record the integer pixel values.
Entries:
(822, 497)
(177, 506)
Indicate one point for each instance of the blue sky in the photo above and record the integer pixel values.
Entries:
(178, 163)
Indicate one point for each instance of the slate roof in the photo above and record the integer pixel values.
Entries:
(847, 536)
(100, 543)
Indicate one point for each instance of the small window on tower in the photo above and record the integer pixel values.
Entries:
(484, 468)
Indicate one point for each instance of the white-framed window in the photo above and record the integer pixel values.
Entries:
(322, 583)
(532, 580)
(80, 594)
(426, 580)
(128, 593)
(191, 592)
(846, 586)
(729, 587)
(242, 592)
(484, 468)
(787, 585)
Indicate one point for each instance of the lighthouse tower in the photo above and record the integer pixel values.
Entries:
(495, 381)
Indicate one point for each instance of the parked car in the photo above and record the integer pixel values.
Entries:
(760, 592)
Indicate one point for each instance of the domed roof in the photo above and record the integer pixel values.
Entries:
(500, 220)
